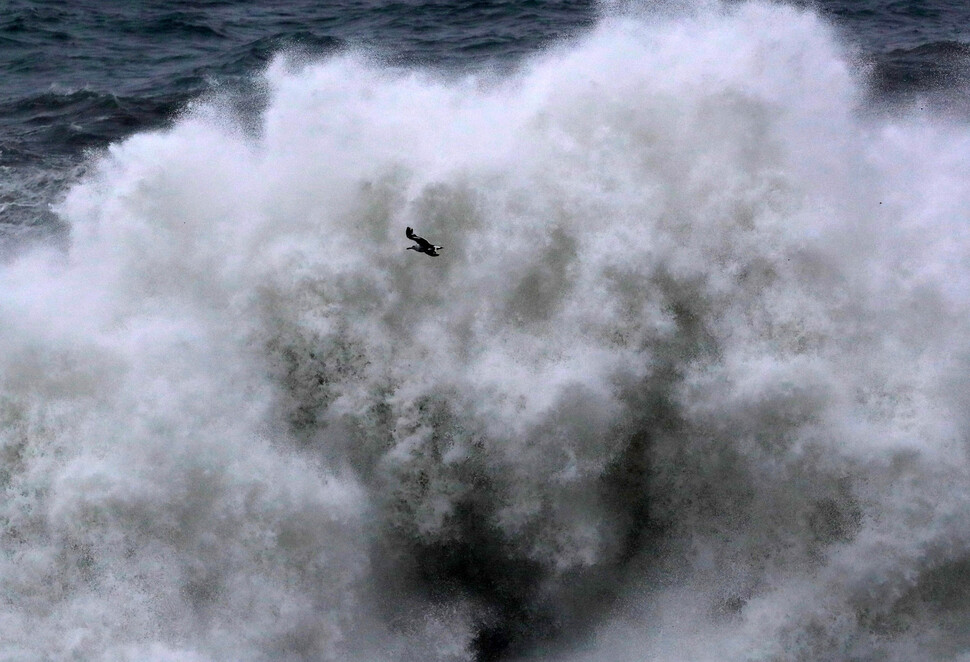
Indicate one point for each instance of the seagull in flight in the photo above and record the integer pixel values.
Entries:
(421, 244)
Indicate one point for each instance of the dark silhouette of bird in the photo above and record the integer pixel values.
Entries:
(421, 245)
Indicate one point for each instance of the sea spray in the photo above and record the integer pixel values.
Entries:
(686, 383)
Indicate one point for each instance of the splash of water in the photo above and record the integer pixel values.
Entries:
(688, 381)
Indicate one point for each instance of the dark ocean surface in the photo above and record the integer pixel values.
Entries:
(82, 75)
(689, 381)
(79, 76)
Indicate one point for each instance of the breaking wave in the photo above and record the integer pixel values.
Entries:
(688, 382)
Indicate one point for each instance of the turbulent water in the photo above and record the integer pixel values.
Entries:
(689, 381)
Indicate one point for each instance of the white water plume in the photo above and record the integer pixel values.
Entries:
(688, 381)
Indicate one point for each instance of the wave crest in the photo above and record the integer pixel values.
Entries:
(686, 381)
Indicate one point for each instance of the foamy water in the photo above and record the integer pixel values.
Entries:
(688, 382)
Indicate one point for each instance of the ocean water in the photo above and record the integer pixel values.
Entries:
(690, 380)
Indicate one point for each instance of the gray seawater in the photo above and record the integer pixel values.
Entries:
(689, 380)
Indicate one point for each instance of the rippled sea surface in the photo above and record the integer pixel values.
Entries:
(82, 75)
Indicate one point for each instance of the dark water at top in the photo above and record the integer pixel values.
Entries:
(916, 46)
(81, 75)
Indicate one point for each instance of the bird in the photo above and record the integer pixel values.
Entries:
(421, 245)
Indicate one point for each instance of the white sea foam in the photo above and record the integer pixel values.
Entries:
(688, 381)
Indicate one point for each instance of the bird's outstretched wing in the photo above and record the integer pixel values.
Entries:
(420, 241)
